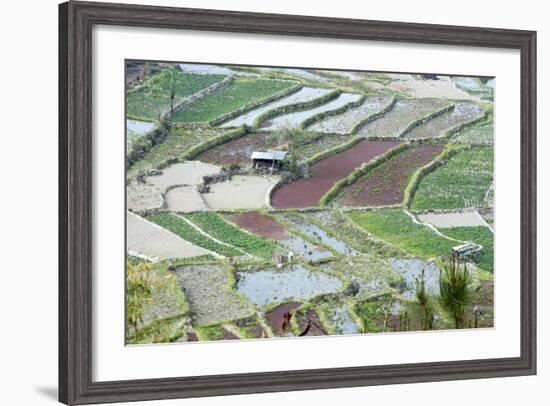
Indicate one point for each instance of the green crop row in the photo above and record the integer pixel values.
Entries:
(460, 183)
(480, 235)
(291, 108)
(420, 173)
(241, 92)
(148, 102)
(245, 109)
(397, 228)
(220, 229)
(179, 227)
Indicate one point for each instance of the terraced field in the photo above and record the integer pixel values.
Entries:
(294, 119)
(344, 123)
(463, 112)
(223, 231)
(461, 183)
(477, 135)
(385, 184)
(250, 252)
(303, 95)
(397, 228)
(401, 116)
(147, 103)
(180, 227)
(238, 151)
(306, 192)
(241, 92)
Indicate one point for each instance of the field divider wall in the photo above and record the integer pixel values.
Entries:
(205, 145)
(246, 108)
(334, 150)
(291, 108)
(420, 173)
(334, 112)
(426, 118)
(355, 129)
(189, 100)
(361, 171)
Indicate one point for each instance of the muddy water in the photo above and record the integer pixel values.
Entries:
(305, 249)
(303, 95)
(341, 320)
(411, 269)
(294, 119)
(320, 235)
(272, 286)
(275, 316)
(306, 192)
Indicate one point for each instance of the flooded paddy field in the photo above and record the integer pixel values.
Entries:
(403, 113)
(317, 234)
(294, 119)
(454, 219)
(385, 184)
(306, 192)
(273, 286)
(411, 270)
(344, 123)
(438, 126)
(303, 95)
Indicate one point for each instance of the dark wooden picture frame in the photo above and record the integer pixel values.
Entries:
(76, 20)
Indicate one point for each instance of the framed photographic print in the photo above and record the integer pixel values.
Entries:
(259, 202)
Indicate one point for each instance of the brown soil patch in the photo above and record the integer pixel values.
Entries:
(228, 335)
(192, 337)
(306, 192)
(238, 151)
(261, 225)
(386, 183)
(275, 316)
(316, 328)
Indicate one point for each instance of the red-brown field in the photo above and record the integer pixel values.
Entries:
(238, 151)
(275, 316)
(315, 328)
(261, 225)
(306, 192)
(386, 183)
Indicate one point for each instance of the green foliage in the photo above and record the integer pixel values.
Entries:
(179, 227)
(163, 90)
(463, 182)
(416, 178)
(142, 284)
(424, 301)
(397, 228)
(241, 92)
(454, 284)
(223, 231)
(480, 235)
(483, 134)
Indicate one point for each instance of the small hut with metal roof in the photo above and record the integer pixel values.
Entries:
(268, 159)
